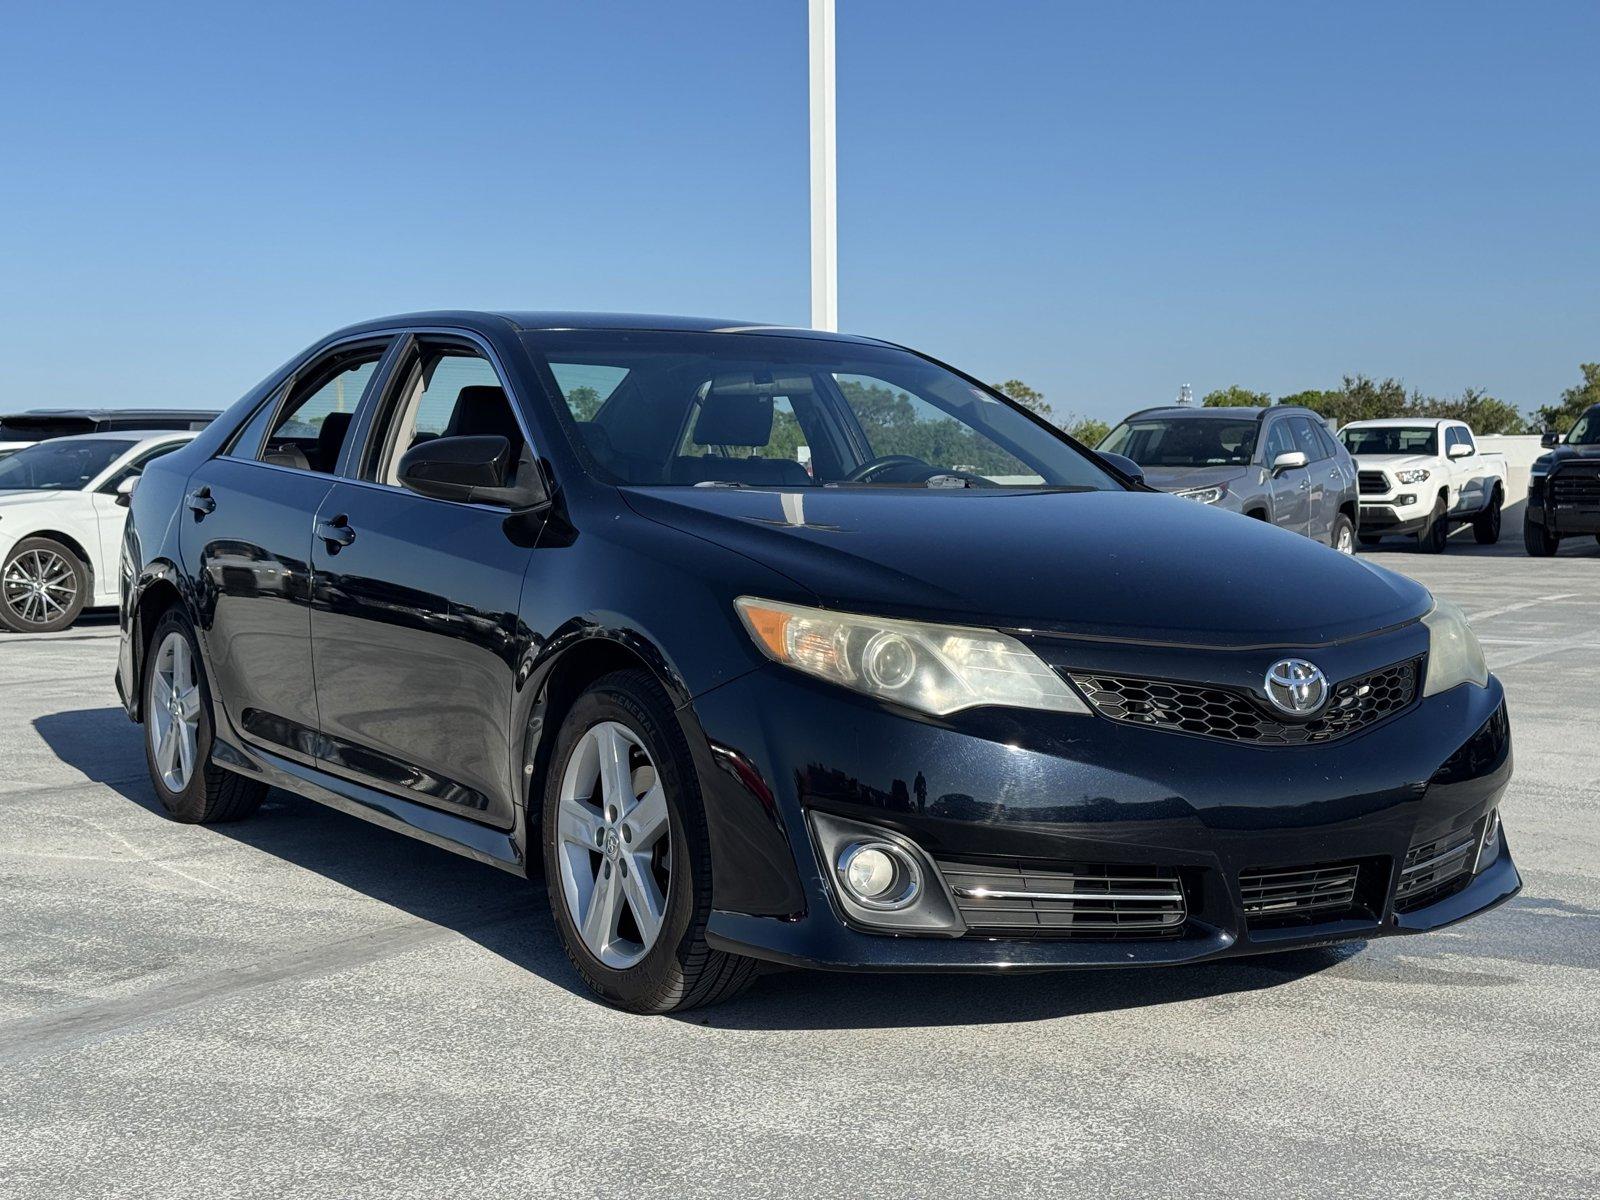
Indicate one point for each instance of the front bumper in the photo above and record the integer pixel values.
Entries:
(1004, 787)
(1383, 515)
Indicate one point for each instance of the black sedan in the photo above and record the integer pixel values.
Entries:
(765, 645)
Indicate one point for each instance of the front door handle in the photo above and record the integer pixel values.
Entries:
(200, 502)
(336, 533)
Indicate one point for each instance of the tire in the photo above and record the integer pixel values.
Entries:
(1369, 539)
(43, 586)
(1436, 533)
(1539, 541)
(205, 793)
(672, 969)
(1486, 525)
(1343, 538)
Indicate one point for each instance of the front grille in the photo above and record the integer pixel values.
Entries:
(1577, 484)
(1292, 895)
(1238, 717)
(1374, 483)
(1100, 903)
(1437, 868)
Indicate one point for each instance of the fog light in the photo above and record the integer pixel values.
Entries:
(1489, 848)
(879, 875)
(1406, 500)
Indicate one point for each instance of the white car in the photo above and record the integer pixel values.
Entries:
(1420, 477)
(62, 510)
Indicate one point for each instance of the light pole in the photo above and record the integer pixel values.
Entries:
(824, 173)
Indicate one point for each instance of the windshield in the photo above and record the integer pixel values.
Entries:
(1587, 431)
(63, 464)
(1185, 441)
(1391, 439)
(754, 410)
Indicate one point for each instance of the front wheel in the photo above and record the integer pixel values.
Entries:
(43, 587)
(1344, 535)
(178, 733)
(1486, 525)
(627, 856)
(1538, 541)
(1436, 533)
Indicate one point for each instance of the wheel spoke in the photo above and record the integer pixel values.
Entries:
(167, 750)
(648, 818)
(615, 781)
(600, 921)
(643, 896)
(579, 824)
(189, 704)
(186, 748)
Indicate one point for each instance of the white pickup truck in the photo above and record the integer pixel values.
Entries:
(1420, 477)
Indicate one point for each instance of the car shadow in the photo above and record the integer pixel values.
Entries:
(508, 916)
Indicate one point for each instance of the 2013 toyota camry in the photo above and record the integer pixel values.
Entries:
(779, 646)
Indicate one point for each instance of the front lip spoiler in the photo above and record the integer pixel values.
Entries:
(819, 941)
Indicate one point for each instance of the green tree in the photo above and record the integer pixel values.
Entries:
(1575, 401)
(1026, 396)
(1088, 430)
(1235, 396)
(584, 403)
(1476, 407)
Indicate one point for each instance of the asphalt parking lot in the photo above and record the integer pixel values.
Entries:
(302, 1004)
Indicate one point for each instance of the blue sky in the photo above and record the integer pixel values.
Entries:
(1106, 200)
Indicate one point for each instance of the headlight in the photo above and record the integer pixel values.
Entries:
(1418, 476)
(1206, 495)
(1541, 466)
(1454, 656)
(938, 669)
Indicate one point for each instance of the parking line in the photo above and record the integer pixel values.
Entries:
(1511, 608)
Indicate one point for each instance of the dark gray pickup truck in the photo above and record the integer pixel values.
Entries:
(1277, 464)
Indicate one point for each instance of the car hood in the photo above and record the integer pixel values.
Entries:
(1126, 565)
(1568, 453)
(1396, 462)
(21, 499)
(1178, 479)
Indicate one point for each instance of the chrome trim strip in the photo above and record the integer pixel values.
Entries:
(1455, 852)
(980, 893)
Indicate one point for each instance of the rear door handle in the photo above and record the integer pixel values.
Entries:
(336, 533)
(200, 502)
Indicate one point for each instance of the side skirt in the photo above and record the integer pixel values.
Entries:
(493, 846)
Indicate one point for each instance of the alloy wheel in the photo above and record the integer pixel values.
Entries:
(40, 586)
(173, 712)
(1347, 541)
(615, 845)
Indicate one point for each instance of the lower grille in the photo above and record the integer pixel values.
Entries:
(1435, 869)
(1374, 483)
(1236, 717)
(1294, 894)
(1090, 902)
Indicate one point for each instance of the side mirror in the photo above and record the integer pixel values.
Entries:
(124, 493)
(1289, 460)
(1550, 440)
(473, 470)
(1459, 451)
(1123, 464)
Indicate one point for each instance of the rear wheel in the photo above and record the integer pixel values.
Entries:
(626, 853)
(178, 733)
(1436, 532)
(1486, 525)
(1539, 541)
(43, 587)
(1344, 535)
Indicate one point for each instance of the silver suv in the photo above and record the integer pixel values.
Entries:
(1276, 464)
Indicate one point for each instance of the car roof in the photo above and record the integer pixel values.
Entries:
(105, 414)
(125, 435)
(1231, 412)
(1403, 422)
(518, 321)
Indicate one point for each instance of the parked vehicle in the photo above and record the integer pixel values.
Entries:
(41, 424)
(62, 509)
(1564, 488)
(1421, 477)
(572, 596)
(1279, 465)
